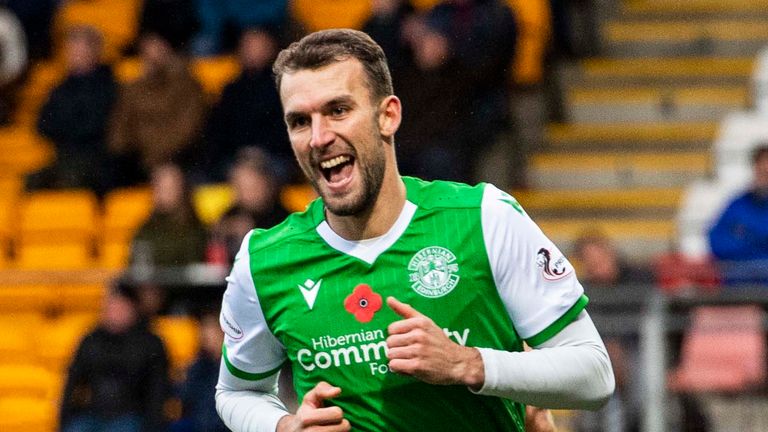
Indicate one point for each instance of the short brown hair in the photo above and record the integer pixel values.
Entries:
(759, 152)
(329, 46)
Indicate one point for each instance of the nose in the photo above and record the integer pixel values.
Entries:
(322, 135)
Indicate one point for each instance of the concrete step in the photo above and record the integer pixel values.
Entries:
(621, 203)
(636, 238)
(595, 137)
(654, 103)
(683, 37)
(660, 70)
(694, 8)
(618, 170)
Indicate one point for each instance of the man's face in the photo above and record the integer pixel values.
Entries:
(333, 128)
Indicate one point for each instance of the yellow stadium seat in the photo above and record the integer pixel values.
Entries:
(116, 19)
(128, 69)
(7, 225)
(24, 151)
(115, 254)
(295, 198)
(324, 14)
(83, 297)
(64, 216)
(55, 256)
(211, 201)
(19, 337)
(26, 298)
(214, 73)
(24, 414)
(124, 212)
(27, 381)
(181, 337)
(59, 342)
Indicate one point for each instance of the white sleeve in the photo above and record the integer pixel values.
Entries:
(535, 281)
(246, 394)
(569, 371)
(545, 302)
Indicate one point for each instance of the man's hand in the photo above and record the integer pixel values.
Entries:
(539, 420)
(416, 346)
(312, 416)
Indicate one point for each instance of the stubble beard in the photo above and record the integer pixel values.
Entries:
(372, 177)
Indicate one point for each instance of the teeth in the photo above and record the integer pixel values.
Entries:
(338, 160)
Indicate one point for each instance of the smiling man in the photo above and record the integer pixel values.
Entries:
(400, 304)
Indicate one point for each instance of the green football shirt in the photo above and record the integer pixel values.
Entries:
(467, 257)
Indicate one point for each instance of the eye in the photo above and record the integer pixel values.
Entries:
(298, 122)
(338, 111)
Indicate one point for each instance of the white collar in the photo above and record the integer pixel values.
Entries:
(369, 249)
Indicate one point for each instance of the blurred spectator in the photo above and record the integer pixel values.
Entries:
(482, 35)
(173, 235)
(75, 117)
(197, 391)
(157, 118)
(388, 25)
(601, 265)
(36, 18)
(176, 20)
(249, 112)
(434, 140)
(13, 62)
(221, 21)
(118, 380)
(739, 238)
(257, 201)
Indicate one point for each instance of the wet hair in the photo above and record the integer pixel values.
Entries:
(326, 47)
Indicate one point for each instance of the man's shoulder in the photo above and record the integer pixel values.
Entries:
(444, 194)
(295, 226)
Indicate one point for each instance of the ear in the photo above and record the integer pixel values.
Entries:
(390, 115)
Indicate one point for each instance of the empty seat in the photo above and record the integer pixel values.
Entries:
(63, 216)
(724, 351)
(211, 201)
(296, 198)
(181, 337)
(124, 212)
(26, 298)
(116, 19)
(55, 256)
(215, 72)
(325, 14)
(24, 414)
(19, 337)
(27, 381)
(59, 342)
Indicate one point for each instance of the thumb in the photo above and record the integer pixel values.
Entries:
(403, 309)
(320, 393)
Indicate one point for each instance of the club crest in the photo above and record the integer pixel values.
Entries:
(433, 271)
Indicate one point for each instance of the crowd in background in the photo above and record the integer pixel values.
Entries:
(472, 110)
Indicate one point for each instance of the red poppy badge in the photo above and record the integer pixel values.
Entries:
(363, 303)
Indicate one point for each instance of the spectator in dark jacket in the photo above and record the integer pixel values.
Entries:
(249, 112)
(257, 201)
(118, 380)
(739, 238)
(75, 117)
(197, 391)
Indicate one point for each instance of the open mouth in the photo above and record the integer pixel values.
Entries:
(338, 169)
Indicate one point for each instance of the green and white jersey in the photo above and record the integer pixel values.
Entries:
(467, 257)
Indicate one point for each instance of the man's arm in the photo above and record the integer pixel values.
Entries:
(246, 393)
(569, 371)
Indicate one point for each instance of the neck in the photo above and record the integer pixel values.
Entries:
(380, 217)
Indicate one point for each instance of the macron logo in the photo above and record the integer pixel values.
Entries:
(309, 290)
